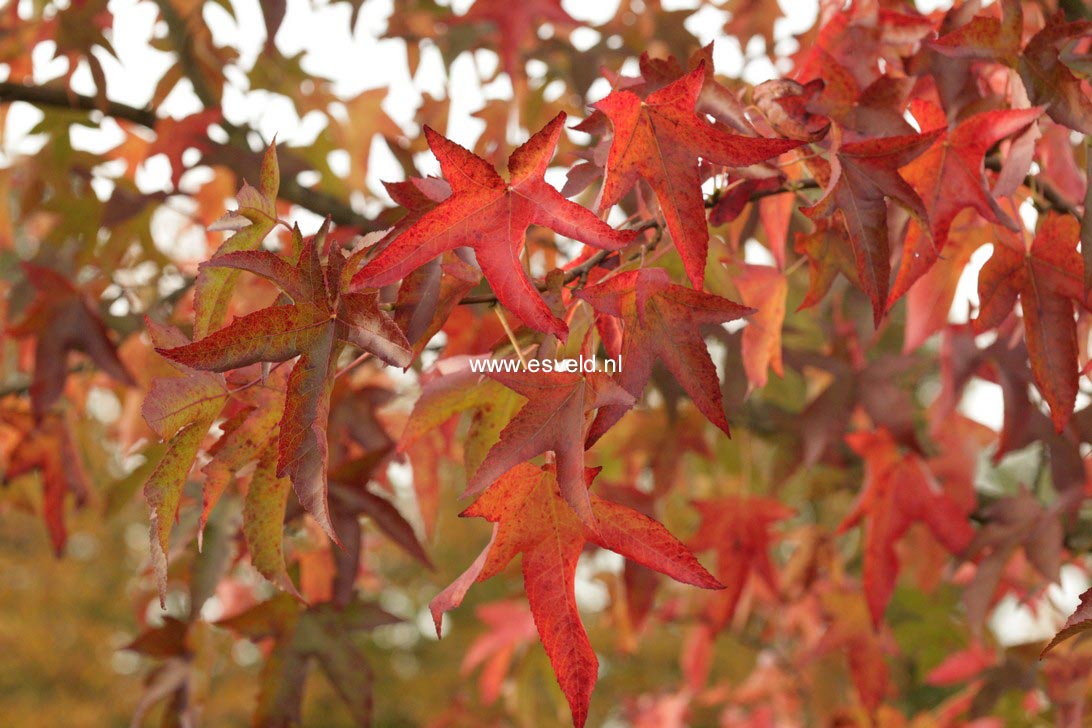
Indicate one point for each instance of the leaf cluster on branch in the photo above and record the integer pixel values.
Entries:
(777, 270)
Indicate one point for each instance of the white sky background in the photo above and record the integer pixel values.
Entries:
(357, 61)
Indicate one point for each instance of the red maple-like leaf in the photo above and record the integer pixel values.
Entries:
(532, 519)
(175, 136)
(62, 321)
(1048, 80)
(516, 26)
(898, 491)
(48, 448)
(862, 176)
(315, 327)
(737, 529)
(1047, 277)
(552, 420)
(949, 176)
(1079, 621)
(660, 138)
(662, 322)
(492, 216)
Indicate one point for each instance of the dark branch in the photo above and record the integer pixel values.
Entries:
(57, 97)
(291, 190)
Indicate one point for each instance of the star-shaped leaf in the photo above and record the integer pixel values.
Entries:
(323, 634)
(898, 491)
(737, 528)
(863, 176)
(552, 420)
(492, 216)
(533, 519)
(949, 175)
(47, 447)
(662, 321)
(1047, 278)
(315, 327)
(63, 321)
(660, 139)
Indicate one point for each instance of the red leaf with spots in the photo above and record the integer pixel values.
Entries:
(533, 519)
(319, 322)
(662, 322)
(492, 216)
(552, 420)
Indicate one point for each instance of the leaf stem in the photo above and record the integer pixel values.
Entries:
(511, 337)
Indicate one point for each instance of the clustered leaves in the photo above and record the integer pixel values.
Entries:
(861, 523)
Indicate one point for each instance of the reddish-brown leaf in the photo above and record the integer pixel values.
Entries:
(1079, 621)
(1047, 277)
(552, 420)
(48, 449)
(662, 321)
(63, 321)
(863, 176)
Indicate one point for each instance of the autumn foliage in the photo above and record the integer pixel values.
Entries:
(848, 280)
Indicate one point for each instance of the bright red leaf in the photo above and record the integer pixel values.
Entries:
(533, 519)
(660, 138)
(492, 216)
(1047, 277)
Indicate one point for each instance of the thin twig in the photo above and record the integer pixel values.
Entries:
(511, 337)
(351, 365)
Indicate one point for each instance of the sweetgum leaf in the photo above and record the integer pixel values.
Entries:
(315, 327)
(737, 529)
(552, 420)
(492, 216)
(949, 176)
(63, 321)
(661, 321)
(863, 176)
(533, 519)
(48, 449)
(898, 491)
(660, 139)
(1047, 277)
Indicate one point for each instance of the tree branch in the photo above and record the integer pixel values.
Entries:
(291, 190)
(61, 98)
(179, 36)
